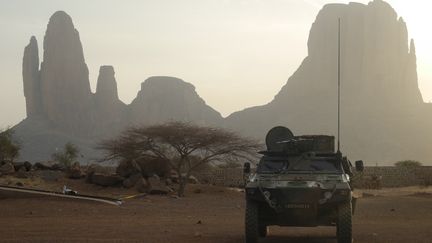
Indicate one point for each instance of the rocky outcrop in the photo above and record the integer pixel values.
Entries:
(31, 79)
(109, 108)
(106, 89)
(61, 107)
(383, 115)
(381, 101)
(65, 85)
(164, 99)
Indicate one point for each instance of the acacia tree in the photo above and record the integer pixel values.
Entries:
(184, 145)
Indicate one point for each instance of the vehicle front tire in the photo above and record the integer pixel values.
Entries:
(251, 222)
(344, 223)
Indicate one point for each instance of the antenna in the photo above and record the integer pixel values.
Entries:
(339, 79)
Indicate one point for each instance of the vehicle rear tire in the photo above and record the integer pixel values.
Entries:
(263, 231)
(251, 222)
(344, 223)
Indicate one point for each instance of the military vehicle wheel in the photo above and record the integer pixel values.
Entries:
(263, 231)
(251, 222)
(344, 223)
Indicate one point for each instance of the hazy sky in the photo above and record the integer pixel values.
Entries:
(237, 53)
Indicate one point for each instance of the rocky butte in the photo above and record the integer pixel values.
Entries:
(61, 107)
(384, 118)
(383, 115)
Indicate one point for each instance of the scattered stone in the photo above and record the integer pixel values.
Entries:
(199, 222)
(106, 180)
(7, 169)
(132, 180)
(392, 210)
(198, 191)
(18, 183)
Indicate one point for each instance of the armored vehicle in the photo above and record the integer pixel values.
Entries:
(299, 181)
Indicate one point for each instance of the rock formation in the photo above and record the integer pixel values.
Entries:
(381, 101)
(383, 116)
(164, 99)
(65, 86)
(61, 107)
(31, 80)
(109, 108)
(106, 88)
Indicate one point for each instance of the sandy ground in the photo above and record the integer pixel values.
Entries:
(214, 215)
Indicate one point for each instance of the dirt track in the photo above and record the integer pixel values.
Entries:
(394, 217)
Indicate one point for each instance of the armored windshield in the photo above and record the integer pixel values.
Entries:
(270, 164)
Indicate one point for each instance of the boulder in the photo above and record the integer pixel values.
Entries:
(132, 180)
(142, 185)
(26, 165)
(49, 165)
(95, 168)
(157, 186)
(193, 180)
(106, 180)
(127, 168)
(7, 169)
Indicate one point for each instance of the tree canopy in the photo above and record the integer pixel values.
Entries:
(184, 145)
